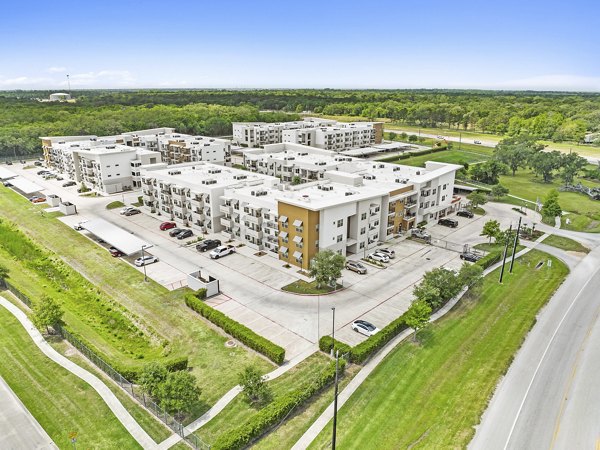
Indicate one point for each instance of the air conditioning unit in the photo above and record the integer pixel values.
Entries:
(174, 172)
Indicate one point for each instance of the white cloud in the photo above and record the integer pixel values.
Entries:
(102, 78)
(23, 82)
(558, 82)
(56, 69)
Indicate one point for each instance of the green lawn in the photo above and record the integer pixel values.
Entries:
(60, 401)
(431, 394)
(565, 243)
(154, 427)
(239, 411)
(114, 205)
(306, 287)
(446, 156)
(176, 329)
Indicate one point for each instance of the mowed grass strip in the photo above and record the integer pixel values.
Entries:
(60, 401)
(432, 394)
(239, 411)
(164, 311)
(565, 243)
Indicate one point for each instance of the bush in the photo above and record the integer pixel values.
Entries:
(490, 259)
(200, 293)
(244, 334)
(411, 154)
(326, 342)
(115, 205)
(365, 349)
(275, 412)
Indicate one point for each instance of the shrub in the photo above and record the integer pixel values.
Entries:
(490, 259)
(411, 154)
(244, 334)
(326, 342)
(200, 293)
(365, 349)
(275, 412)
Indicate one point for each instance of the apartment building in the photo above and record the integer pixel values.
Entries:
(314, 132)
(181, 148)
(349, 209)
(101, 164)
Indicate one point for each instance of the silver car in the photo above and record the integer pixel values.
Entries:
(357, 267)
(389, 252)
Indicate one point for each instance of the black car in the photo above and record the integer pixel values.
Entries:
(471, 257)
(452, 223)
(208, 244)
(175, 231)
(132, 212)
(465, 213)
(69, 183)
(185, 234)
(37, 163)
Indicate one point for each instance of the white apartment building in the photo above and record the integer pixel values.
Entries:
(314, 132)
(101, 164)
(348, 209)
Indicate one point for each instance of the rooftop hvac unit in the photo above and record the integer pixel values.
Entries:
(214, 170)
(349, 193)
(174, 172)
(418, 172)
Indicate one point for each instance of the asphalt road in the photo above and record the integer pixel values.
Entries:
(550, 397)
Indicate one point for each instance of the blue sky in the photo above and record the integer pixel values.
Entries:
(497, 44)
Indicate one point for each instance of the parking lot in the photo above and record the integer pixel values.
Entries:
(251, 284)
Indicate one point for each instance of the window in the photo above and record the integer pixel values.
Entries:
(363, 230)
(340, 223)
(433, 192)
(444, 187)
(340, 238)
(362, 245)
(363, 216)
(443, 197)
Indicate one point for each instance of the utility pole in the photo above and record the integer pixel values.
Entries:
(335, 398)
(459, 140)
(504, 256)
(333, 330)
(144, 264)
(512, 260)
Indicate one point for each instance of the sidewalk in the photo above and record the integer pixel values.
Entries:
(107, 395)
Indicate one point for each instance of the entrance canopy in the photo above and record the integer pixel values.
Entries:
(26, 186)
(5, 174)
(116, 236)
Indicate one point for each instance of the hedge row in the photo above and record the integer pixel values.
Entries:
(365, 349)
(411, 154)
(244, 334)
(275, 412)
(490, 259)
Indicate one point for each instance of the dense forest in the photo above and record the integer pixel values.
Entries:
(545, 115)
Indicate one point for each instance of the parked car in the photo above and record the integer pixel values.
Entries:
(69, 183)
(167, 226)
(59, 178)
(379, 257)
(9, 163)
(389, 252)
(7, 184)
(185, 234)
(175, 231)
(465, 213)
(477, 142)
(208, 244)
(127, 208)
(221, 251)
(115, 252)
(419, 233)
(42, 172)
(145, 260)
(452, 223)
(469, 256)
(37, 163)
(357, 267)
(78, 226)
(132, 212)
(364, 327)
(36, 199)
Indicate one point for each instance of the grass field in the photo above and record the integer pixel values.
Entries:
(239, 411)
(162, 310)
(155, 429)
(306, 287)
(60, 401)
(446, 156)
(431, 394)
(565, 243)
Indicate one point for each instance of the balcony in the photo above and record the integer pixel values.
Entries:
(180, 208)
(252, 219)
(257, 234)
(197, 201)
(226, 209)
(226, 222)
(148, 197)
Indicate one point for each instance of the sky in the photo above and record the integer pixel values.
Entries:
(486, 44)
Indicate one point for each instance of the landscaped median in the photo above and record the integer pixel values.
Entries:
(241, 332)
(431, 394)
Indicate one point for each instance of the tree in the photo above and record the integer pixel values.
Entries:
(551, 208)
(417, 316)
(392, 136)
(47, 313)
(3, 272)
(296, 180)
(179, 392)
(257, 391)
(507, 235)
(427, 293)
(477, 198)
(545, 163)
(443, 280)
(489, 171)
(498, 191)
(491, 229)
(152, 377)
(571, 165)
(326, 267)
(403, 136)
(470, 274)
(413, 138)
(515, 151)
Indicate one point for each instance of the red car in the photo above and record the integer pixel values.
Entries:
(167, 225)
(115, 252)
(38, 199)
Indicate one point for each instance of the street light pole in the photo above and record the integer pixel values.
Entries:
(318, 318)
(333, 330)
(335, 400)
(144, 264)
(512, 260)
(504, 255)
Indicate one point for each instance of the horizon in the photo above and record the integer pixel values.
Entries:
(268, 45)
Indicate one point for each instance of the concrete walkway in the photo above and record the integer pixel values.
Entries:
(315, 429)
(18, 428)
(107, 395)
(229, 396)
